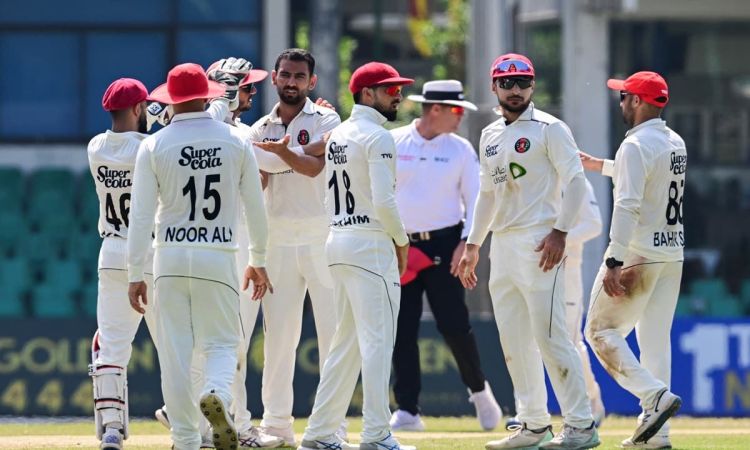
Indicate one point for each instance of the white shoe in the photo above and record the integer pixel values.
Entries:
(111, 439)
(666, 406)
(654, 442)
(406, 421)
(598, 411)
(162, 417)
(488, 411)
(522, 438)
(330, 443)
(572, 438)
(387, 443)
(225, 435)
(255, 438)
(285, 434)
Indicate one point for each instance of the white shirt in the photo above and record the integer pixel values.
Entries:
(524, 166)
(293, 200)
(361, 169)
(649, 181)
(194, 170)
(112, 162)
(588, 226)
(437, 180)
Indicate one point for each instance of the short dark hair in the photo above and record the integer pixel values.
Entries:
(296, 54)
(357, 97)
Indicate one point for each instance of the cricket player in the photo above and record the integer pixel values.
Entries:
(437, 183)
(189, 180)
(366, 251)
(298, 230)
(638, 284)
(527, 158)
(112, 160)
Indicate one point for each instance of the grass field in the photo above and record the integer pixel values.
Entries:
(445, 433)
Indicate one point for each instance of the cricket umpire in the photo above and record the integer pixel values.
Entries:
(437, 183)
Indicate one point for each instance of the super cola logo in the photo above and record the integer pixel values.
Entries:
(202, 158)
(113, 178)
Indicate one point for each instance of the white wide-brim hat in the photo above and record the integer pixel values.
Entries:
(448, 92)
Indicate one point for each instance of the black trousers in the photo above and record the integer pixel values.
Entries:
(445, 295)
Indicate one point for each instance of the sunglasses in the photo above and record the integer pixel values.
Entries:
(393, 90)
(509, 82)
(623, 94)
(457, 110)
(248, 88)
(510, 66)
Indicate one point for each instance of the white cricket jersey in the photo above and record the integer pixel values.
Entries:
(525, 165)
(437, 180)
(192, 174)
(649, 181)
(588, 226)
(361, 174)
(294, 202)
(111, 161)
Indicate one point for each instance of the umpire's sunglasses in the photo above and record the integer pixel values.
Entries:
(509, 82)
(248, 88)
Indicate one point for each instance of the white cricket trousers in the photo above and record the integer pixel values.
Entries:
(116, 320)
(648, 305)
(574, 318)
(367, 296)
(198, 308)
(530, 314)
(293, 270)
(248, 315)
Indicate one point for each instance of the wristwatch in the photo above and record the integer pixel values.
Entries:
(611, 263)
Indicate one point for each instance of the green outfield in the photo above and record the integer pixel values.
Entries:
(445, 433)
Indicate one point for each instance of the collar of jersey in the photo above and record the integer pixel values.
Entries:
(418, 138)
(125, 135)
(366, 112)
(309, 108)
(190, 115)
(655, 122)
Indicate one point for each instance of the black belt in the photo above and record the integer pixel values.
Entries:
(442, 232)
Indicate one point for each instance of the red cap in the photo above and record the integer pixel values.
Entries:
(416, 261)
(375, 74)
(516, 65)
(650, 86)
(123, 93)
(186, 82)
(254, 76)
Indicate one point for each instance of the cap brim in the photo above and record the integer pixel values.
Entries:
(395, 80)
(161, 94)
(461, 103)
(616, 85)
(254, 76)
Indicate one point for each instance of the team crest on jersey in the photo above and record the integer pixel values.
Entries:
(303, 138)
(522, 145)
